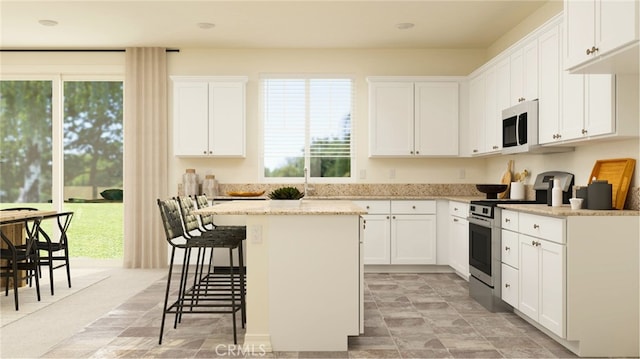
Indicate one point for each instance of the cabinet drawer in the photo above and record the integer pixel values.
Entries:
(509, 220)
(510, 284)
(413, 207)
(510, 248)
(549, 228)
(459, 209)
(375, 207)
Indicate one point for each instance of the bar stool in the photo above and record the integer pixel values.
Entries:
(204, 296)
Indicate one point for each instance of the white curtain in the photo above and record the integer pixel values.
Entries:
(145, 157)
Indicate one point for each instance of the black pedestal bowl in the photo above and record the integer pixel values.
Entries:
(491, 190)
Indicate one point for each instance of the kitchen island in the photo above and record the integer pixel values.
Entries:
(304, 273)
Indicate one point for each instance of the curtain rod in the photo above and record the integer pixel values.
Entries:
(73, 50)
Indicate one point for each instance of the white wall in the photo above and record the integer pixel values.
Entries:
(580, 162)
(356, 63)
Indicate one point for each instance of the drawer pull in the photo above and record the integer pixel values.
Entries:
(535, 226)
(414, 207)
(507, 285)
(455, 220)
(507, 248)
(507, 220)
(533, 243)
(455, 208)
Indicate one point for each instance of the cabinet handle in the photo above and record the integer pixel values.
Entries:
(394, 217)
(495, 147)
(507, 285)
(507, 248)
(535, 226)
(413, 207)
(204, 152)
(455, 220)
(555, 136)
(533, 243)
(455, 208)
(584, 132)
(368, 207)
(388, 217)
(475, 151)
(507, 220)
(411, 152)
(592, 50)
(538, 244)
(559, 136)
(417, 152)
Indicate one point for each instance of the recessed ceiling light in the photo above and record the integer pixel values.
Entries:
(404, 25)
(206, 25)
(48, 22)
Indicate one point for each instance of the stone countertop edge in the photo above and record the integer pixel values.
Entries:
(566, 211)
(308, 207)
(465, 199)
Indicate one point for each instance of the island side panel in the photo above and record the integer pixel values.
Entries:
(257, 280)
(603, 285)
(313, 281)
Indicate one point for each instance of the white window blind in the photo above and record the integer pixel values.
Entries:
(307, 124)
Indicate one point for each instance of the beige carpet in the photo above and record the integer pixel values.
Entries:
(98, 287)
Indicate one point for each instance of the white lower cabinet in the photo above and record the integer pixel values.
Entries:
(399, 232)
(542, 283)
(534, 268)
(459, 238)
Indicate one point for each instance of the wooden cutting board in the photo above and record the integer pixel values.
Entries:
(618, 173)
(506, 179)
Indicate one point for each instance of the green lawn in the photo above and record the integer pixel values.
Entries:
(96, 230)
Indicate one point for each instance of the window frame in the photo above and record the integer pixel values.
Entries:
(262, 120)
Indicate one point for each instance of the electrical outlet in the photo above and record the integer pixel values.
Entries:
(363, 174)
(392, 173)
(462, 174)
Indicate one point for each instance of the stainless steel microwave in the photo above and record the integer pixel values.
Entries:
(520, 127)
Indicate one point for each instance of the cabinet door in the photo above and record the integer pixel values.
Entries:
(549, 85)
(391, 112)
(572, 120)
(616, 24)
(529, 276)
(509, 290)
(599, 101)
(436, 118)
(493, 115)
(503, 87)
(476, 115)
(524, 73)
(413, 239)
(459, 245)
(377, 247)
(190, 118)
(552, 287)
(579, 19)
(227, 119)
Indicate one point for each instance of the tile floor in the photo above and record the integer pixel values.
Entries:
(406, 316)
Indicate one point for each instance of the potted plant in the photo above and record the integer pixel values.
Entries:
(286, 196)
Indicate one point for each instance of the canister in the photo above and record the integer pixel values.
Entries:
(582, 193)
(599, 194)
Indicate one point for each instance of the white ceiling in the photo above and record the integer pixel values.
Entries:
(259, 24)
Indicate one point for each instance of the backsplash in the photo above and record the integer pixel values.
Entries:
(406, 189)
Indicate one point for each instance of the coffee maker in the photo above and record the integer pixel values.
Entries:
(544, 184)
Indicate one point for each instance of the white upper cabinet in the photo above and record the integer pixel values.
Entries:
(549, 104)
(477, 114)
(524, 72)
(209, 116)
(412, 117)
(436, 118)
(602, 36)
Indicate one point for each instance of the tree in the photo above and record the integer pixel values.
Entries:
(93, 124)
(25, 146)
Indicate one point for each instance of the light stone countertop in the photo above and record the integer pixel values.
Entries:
(279, 207)
(465, 199)
(566, 211)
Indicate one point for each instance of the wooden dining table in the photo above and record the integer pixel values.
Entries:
(15, 232)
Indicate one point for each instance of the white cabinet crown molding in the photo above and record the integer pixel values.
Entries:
(182, 78)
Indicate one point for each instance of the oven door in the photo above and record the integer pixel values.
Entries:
(480, 250)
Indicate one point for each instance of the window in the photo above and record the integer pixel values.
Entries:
(307, 123)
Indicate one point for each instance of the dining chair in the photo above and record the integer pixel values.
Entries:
(56, 250)
(20, 258)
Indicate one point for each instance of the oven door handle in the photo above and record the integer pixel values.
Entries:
(479, 222)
